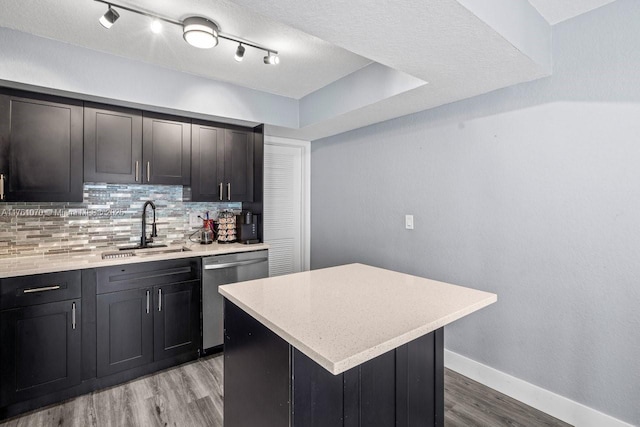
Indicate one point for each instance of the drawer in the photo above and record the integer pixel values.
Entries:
(141, 275)
(39, 289)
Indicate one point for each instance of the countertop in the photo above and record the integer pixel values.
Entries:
(22, 266)
(343, 316)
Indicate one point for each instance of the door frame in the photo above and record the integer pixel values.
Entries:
(305, 221)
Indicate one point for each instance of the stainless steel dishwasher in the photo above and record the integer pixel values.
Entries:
(221, 270)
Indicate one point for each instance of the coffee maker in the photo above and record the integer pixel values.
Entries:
(246, 228)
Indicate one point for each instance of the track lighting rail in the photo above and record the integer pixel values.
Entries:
(271, 57)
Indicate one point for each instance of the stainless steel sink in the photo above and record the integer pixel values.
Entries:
(143, 252)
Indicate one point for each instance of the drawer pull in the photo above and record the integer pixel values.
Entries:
(73, 315)
(44, 289)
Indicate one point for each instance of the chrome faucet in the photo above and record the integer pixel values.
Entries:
(144, 242)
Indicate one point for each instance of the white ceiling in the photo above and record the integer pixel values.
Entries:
(462, 48)
(555, 11)
(76, 22)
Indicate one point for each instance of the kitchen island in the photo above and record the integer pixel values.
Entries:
(352, 345)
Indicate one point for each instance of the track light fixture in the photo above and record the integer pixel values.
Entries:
(199, 32)
(239, 53)
(271, 58)
(109, 18)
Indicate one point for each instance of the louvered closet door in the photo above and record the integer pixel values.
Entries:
(283, 174)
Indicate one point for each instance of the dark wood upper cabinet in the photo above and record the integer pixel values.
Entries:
(238, 164)
(112, 144)
(166, 149)
(50, 145)
(40, 148)
(222, 164)
(207, 146)
(124, 146)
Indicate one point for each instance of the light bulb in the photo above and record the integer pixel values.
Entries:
(156, 26)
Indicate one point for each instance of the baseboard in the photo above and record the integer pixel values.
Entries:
(553, 404)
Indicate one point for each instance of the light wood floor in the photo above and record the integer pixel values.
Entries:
(191, 395)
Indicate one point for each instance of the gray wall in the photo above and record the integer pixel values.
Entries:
(532, 192)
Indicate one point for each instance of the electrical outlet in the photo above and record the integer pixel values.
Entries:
(194, 221)
(408, 222)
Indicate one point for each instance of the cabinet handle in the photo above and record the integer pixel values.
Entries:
(221, 191)
(1, 186)
(137, 170)
(148, 171)
(159, 299)
(148, 298)
(73, 315)
(44, 289)
(228, 191)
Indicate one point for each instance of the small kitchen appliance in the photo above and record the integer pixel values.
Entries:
(206, 235)
(247, 229)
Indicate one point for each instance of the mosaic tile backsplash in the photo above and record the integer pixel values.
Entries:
(109, 216)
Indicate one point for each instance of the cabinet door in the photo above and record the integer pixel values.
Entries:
(112, 144)
(176, 327)
(41, 145)
(125, 328)
(238, 165)
(40, 351)
(207, 163)
(166, 150)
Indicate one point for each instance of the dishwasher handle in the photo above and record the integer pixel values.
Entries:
(234, 264)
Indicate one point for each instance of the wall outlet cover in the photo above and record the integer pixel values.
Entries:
(194, 221)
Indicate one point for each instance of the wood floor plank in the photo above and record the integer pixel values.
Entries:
(115, 406)
(472, 403)
(210, 409)
(191, 395)
(79, 412)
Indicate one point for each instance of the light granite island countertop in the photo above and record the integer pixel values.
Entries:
(342, 318)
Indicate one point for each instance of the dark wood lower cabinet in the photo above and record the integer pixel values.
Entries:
(146, 313)
(269, 382)
(138, 318)
(176, 323)
(124, 324)
(40, 351)
(139, 326)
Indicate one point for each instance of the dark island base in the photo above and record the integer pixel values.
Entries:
(269, 383)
